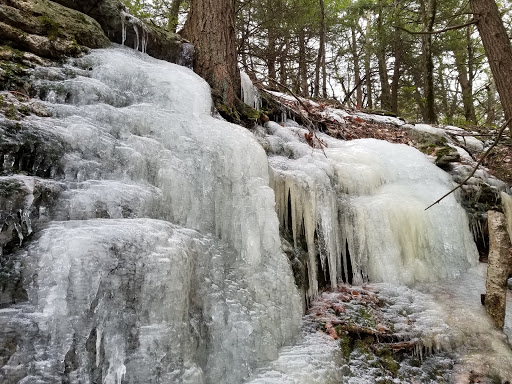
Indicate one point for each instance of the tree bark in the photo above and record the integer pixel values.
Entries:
(497, 48)
(210, 27)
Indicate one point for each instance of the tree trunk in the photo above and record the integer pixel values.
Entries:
(173, 15)
(464, 62)
(283, 58)
(271, 55)
(491, 104)
(428, 13)
(210, 27)
(498, 268)
(303, 66)
(357, 72)
(367, 66)
(396, 72)
(497, 48)
(320, 61)
(385, 98)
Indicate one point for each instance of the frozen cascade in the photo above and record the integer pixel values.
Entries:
(115, 291)
(360, 209)
(163, 261)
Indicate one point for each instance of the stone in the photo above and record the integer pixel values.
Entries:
(446, 155)
(48, 29)
(161, 43)
(499, 267)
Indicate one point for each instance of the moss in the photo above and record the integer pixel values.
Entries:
(428, 142)
(24, 110)
(363, 346)
(9, 186)
(346, 344)
(389, 363)
(248, 112)
(13, 74)
(53, 29)
(11, 113)
(443, 151)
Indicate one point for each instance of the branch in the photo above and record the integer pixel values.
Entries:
(500, 133)
(472, 21)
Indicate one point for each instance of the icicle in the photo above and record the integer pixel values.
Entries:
(250, 93)
(123, 27)
(136, 42)
(144, 45)
(19, 232)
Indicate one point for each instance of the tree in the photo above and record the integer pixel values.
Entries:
(497, 49)
(210, 27)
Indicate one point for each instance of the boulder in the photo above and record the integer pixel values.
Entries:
(114, 18)
(48, 29)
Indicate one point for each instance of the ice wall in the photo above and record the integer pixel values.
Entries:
(359, 207)
(116, 292)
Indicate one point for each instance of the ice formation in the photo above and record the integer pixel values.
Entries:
(115, 291)
(360, 208)
(141, 33)
(163, 260)
(250, 93)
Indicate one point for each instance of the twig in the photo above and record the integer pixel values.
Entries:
(20, 94)
(500, 133)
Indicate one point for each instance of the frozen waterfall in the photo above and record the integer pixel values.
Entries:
(115, 291)
(359, 208)
(175, 248)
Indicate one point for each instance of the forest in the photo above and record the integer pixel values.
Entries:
(423, 60)
(255, 192)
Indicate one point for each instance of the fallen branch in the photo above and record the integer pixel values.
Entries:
(500, 133)
(396, 347)
(310, 125)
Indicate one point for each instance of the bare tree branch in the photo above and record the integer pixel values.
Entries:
(471, 22)
(500, 133)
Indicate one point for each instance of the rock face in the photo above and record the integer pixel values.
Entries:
(112, 17)
(48, 29)
(498, 271)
